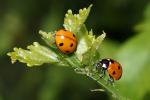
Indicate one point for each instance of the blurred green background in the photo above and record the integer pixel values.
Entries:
(20, 22)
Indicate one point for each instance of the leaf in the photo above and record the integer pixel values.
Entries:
(87, 51)
(92, 54)
(73, 22)
(49, 37)
(36, 55)
(135, 59)
(84, 42)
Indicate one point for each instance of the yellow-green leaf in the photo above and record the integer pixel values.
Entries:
(73, 22)
(36, 55)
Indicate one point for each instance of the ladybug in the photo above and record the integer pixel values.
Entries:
(113, 68)
(65, 41)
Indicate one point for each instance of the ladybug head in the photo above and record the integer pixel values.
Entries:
(104, 63)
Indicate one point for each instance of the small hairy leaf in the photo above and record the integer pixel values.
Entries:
(36, 55)
(84, 42)
(49, 37)
(92, 54)
(73, 22)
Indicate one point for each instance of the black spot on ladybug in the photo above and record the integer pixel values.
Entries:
(71, 44)
(114, 73)
(65, 30)
(119, 67)
(67, 51)
(74, 35)
(61, 44)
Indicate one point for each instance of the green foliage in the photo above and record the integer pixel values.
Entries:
(73, 22)
(133, 55)
(85, 38)
(92, 54)
(36, 55)
(82, 60)
(48, 37)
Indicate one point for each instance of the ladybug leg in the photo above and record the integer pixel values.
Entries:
(100, 69)
(98, 66)
(110, 80)
(102, 73)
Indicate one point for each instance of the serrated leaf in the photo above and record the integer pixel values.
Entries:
(36, 55)
(92, 54)
(73, 22)
(49, 37)
(84, 42)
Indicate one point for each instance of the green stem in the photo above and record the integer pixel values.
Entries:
(109, 87)
(74, 61)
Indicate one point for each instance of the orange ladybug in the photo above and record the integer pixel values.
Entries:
(113, 68)
(65, 41)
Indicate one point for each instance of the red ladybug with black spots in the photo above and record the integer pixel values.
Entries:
(65, 41)
(111, 66)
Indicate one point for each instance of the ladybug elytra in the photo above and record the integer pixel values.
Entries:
(65, 41)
